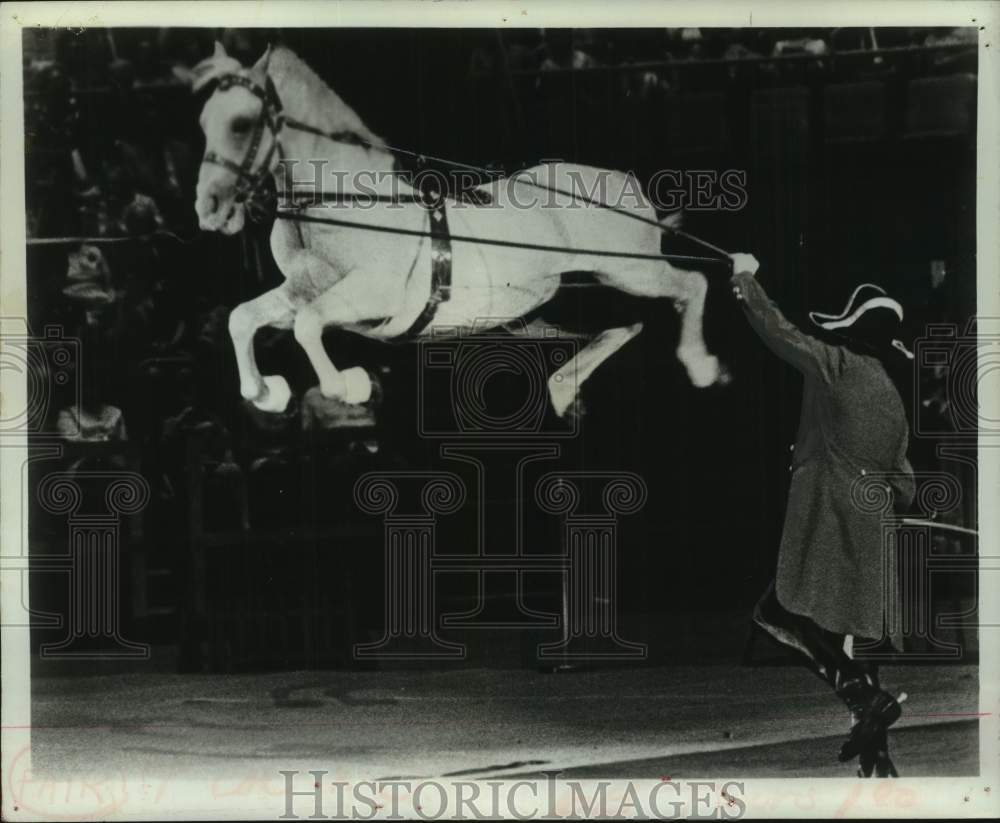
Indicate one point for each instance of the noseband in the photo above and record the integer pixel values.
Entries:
(248, 180)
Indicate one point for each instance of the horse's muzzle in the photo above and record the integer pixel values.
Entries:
(217, 213)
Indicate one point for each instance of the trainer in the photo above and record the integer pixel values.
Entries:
(829, 586)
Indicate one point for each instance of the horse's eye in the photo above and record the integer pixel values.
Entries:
(241, 125)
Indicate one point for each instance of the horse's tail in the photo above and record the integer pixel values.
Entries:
(672, 220)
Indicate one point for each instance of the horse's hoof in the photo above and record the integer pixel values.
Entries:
(703, 371)
(724, 378)
(575, 412)
(275, 396)
(357, 385)
(563, 394)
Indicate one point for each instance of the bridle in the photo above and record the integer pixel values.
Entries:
(272, 118)
(249, 180)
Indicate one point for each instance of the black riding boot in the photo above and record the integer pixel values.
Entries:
(874, 759)
(856, 683)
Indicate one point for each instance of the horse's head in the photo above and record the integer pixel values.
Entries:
(241, 124)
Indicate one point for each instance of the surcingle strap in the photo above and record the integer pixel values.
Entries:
(440, 269)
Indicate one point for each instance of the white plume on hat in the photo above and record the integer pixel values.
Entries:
(863, 299)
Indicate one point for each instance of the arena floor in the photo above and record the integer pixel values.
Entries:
(681, 721)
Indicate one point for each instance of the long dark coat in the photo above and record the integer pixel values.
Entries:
(831, 562)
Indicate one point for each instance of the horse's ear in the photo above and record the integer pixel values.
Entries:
(201, 74)
(210, 68)
(260, 67)
(184, 74)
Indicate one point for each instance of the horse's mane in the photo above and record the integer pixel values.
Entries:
(326, 109)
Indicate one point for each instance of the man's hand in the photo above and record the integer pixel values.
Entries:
(744, 263)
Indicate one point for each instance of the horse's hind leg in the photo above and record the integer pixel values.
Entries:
(273, 308)
(688, 290)
(566, 382)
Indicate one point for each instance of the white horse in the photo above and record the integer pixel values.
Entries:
(378, 283)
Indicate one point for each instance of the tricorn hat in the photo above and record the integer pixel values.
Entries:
(870, 316)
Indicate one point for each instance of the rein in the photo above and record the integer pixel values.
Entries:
(249, 182)
(491, 241)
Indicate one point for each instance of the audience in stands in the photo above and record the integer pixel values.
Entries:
(92, 421)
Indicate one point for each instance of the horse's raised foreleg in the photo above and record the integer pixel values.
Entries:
(352, 300)
(273, 308)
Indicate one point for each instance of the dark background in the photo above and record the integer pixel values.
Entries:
(860, 166)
